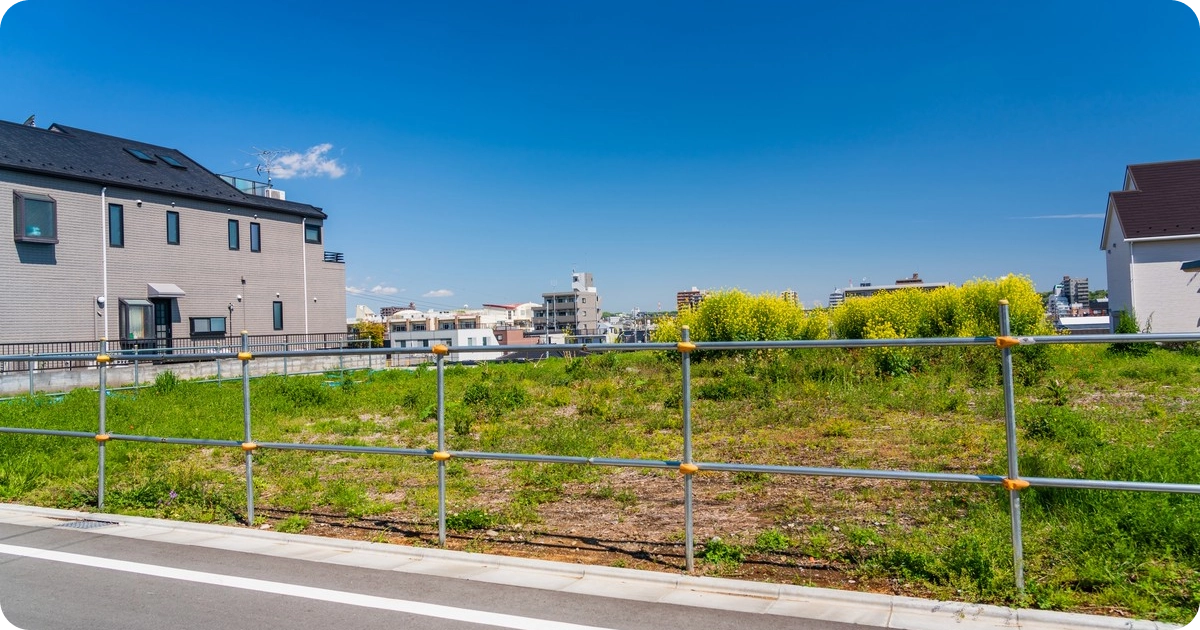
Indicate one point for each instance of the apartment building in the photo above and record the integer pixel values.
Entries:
(577, 310)
(136, 242)
(688, 299)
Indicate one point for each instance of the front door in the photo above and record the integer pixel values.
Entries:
(162, 322)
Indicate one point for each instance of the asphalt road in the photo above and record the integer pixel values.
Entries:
(53, 579)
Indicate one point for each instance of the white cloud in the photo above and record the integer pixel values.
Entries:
(440, 293)
(378, 289)
(1068, 216)
(312, 163)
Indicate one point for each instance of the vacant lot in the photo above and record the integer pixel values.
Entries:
(1082, 412)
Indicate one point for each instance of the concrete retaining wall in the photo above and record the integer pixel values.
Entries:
(58, 381)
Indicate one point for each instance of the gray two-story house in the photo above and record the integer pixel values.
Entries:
(131, 241)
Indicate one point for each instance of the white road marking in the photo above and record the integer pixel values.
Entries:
(294, 590)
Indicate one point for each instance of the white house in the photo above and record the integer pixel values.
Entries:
(511, 315)
(1151, 241)
(425, 329)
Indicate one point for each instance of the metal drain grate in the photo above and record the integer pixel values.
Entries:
(86, 524)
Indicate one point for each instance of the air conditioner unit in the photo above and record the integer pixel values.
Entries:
(275, 193)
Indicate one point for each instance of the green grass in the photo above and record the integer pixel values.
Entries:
(1082, 412)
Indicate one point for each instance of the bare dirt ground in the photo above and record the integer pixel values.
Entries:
(648, 532)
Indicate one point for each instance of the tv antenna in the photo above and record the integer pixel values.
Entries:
(266, 161)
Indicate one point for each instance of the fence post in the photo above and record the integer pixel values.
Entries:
(441, 455)
(102, 434)
(1012, 483)
(248, 446)
(686, 466)
(136, 382)
(30, 365)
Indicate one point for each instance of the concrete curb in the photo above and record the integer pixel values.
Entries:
(873, 609)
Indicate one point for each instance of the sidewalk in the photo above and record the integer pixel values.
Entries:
(868, 609)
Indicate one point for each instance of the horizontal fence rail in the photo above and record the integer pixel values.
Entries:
(247, 349)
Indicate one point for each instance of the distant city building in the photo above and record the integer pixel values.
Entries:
(1083, 325)
(1077, 290)
(790, 296)
(513, 315)
(363, 313)
(1069, 298)
(577, 310)
(688, 299)
(425, 329)
(866, 289)
(388, 311)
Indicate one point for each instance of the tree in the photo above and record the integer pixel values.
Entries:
(371, 330)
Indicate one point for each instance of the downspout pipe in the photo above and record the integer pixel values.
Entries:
(304, 264)
(104, 254)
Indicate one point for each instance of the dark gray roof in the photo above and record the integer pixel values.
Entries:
(77, 154)
(1165, 200)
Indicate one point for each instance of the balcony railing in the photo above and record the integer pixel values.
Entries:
(335, 257)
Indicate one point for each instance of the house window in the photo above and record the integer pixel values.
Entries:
(485, 341)
(312, 233)
(207, 326)
(418, 326)
(35, 218)
(276, 313)
(172, 228)
(136, 318)
(116, 225)
(255, 240)
(234, 239)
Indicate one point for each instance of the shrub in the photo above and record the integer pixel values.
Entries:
(496, 397)
(467, 520)
(971, 310)
(165, 382)
(1127, 325)
(733, 315)
(718, 551)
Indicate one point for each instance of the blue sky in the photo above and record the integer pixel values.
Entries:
(480, 151)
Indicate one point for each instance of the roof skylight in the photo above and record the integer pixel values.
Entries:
(141, 155)
(171, 161)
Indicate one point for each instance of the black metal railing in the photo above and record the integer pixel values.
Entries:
(191, 345)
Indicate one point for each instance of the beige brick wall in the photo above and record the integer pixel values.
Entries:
(49, 291)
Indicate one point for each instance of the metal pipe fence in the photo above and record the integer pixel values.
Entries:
(67, 356)
(438, 453)
(57, 355)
